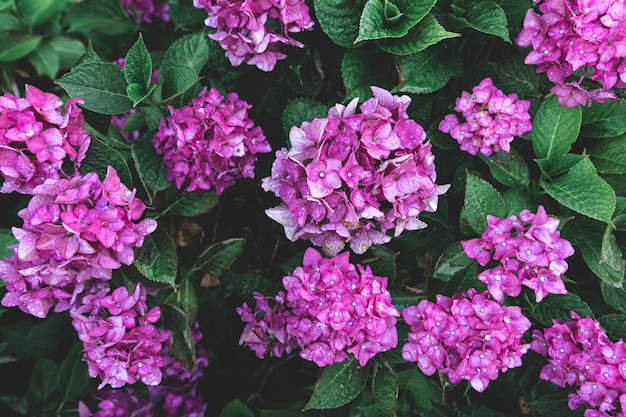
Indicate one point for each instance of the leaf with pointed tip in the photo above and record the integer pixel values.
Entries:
(157, 259)
(555, 128)
(426, 71)
(426, 33)
(339, 384)
(391, 19)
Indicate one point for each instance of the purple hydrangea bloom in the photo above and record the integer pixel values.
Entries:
(75, 232)
(468, 337)
(531, 252)
(36, 139)
(209, 143)
(121, 343)
(351, 177)
(146, 10)
(116, 403)
(567, 35)
(254, 31)
(331, 308)
(581, 355)
(492, 119)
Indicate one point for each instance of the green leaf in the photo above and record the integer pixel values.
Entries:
(15, 403)
(487, 17)
(555, 128)
(583, 191)
(611, 254)
(516, 201)
(6, 240)
(185, 16)
(614, 297)
(15, 45)
(68, 49)
(385, 388)
(220, 256)
(6, 4)
(464, 281)
(555, 405)
(191, 50)
(35, 12)
(509, 169)
(614, 325)
(360, 70)
(519, 77)
(189, 205)
(381, 20)
(100, 84)
(157, 259)
(45, 59)
(590, 243)
(559, 306)
(100, 156)
(609, 155)
(188, 299)
(10, 22)
(150, 166)
(559, 164)
(339, 384)
(604, 120)
(73, 377)
(339, 19)
(426, 33)
(89, 56)
(174, 318)
(384, 263)
(43, 379)
(418, 390)
(482, 199)
(426, 71)
(451, 262)
(300, 110)
(177, 79)
(183, 348)
(236, 408)
(138, 64)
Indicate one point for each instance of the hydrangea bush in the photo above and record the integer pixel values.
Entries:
(350, 208)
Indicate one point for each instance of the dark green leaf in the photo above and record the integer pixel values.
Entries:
(452, 261)
(614, 325)
(183, 348)
(190, 205)
(604, 120)
(174, 318)
(6, 4)
(188, 300)
(385, 388)
(590, 243)
(6, 239)
(45, 59)
(555, 128)
(384, 263)
(381, 20)
(583, 191)
(614, 297)
(609, 156)
(73, 377)
(426, 33)
(236, 408)
(43, 379)
(220, 256)
(15, 403)
(509, 169)
(482, 199)
(177, 79)
(559, 306)
(611, 254)
(426, 71)
(516, 201)
(555, 405)
(100, 84)
(150, 166)
(157, 259)
(185, 16)
(68, 49)
(100, 156)
(339, 19)
(360, 70)
(559, 164)
(300, 110)
(418, 390)
(89, 56)
(35, 12)
(10, 22)
(191, 50)
(251, 282)
(487, 17)
(138, 64)
(41, 338)
(339, 384)
(15, 45)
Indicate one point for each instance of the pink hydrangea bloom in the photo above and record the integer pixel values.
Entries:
(146, 10)
(254, 31)
(492, 119)
(332, 308)
(121, 343)
(75, 232)
(351, 177)
(581, 355)
(468, 337)
(36, 139)
(566, 35)
(530, 250)
(209, 143)
(116, 403)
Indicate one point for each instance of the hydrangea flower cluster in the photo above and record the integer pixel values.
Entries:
(146, 10)
(254, 31)
(492, 119)
(116, 403)
(209, 143)
(121, 343)
(75, 232)
(36, 139)
(530, 250)
(468, 337)
(352, 176)
(569, 35)
(581, 355)
(331, 308)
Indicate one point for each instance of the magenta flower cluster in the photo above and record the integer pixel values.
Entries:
(209, 143)
(351, 177)
(36, 139)
(331, 308)
(117, 403)
(75, 232)
(567, 35)
(581, 355)
(468, 337)
(492, 119)
(530, 250)
(121, 343)
(254, 31)
(146, 10)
